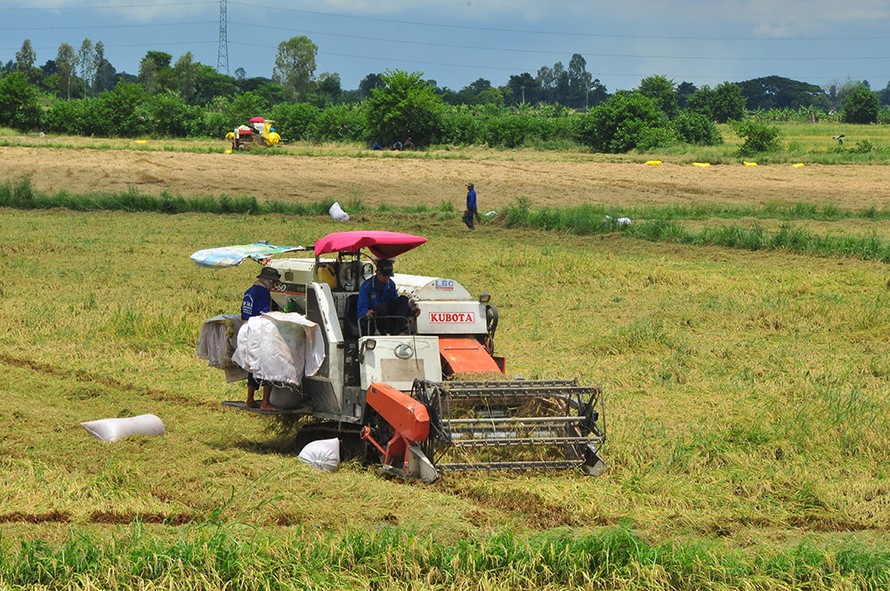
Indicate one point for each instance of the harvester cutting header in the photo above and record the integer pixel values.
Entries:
(430, 398)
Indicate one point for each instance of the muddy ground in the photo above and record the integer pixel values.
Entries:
(379, 178)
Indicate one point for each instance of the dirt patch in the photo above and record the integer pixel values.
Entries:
(374, 179)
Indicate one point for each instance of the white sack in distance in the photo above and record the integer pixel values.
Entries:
(619, 221)
(337, 213)
(323, 454)
(280, 347)
(116, 429)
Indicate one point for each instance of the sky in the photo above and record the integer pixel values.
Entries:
(456, 42)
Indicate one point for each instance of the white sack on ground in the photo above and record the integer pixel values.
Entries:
(280, 347)
(337, 213)
(323, 454)
(115, 429)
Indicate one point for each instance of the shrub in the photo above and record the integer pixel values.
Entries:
(619, 124)
(341, 123)
(167, 115)
(19, 107)
(73, 117)
(119, 111)
(296, 121)
(461, 126)
(758, 137)
(694, 128)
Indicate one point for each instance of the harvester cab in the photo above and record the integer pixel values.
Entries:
(432, 400)
(257, 133)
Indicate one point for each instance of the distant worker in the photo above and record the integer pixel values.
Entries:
(258, 299)
(839, 139)
(379, 300)
(471, 212)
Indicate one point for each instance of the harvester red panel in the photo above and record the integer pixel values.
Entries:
(408, 417)
(384, 245)
(467, 355)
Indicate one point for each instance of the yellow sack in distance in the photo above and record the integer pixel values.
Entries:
(653, 162)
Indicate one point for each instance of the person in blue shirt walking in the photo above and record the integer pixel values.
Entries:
(471, 212)
(378, 298)
(258, 299)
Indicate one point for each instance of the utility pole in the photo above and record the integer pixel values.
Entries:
(222, 54)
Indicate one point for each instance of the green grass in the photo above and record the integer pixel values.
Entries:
(213, 556)
(657, 224)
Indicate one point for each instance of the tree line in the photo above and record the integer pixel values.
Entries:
(81, 93)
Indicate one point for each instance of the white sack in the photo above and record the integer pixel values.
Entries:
(323, 454)
(217, 341)
(115, 429)
(280, 347)
(337, 213)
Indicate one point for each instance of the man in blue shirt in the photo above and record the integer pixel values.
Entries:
(378, 298)
(258, 299)
(470, 212)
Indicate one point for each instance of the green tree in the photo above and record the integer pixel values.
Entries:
(25, 58)
(663, 92)
(295, 66)
(523, 89)
(328, 88)
(19, 107)
(66, 63)
(247, 105)
(106, 75)
(861, 105)
(721, 104)
(626, 121)
(405, 106)
(684, 91)
(776, 92)
(155, 74)
(729, 104)
(86, 61)
(186, 73)
(580, 82)
(369, 83)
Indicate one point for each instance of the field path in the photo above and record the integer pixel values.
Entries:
(376, 180)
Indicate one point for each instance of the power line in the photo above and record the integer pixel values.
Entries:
(556, 33)
(119, 26)
(54, 7)
(585, 54)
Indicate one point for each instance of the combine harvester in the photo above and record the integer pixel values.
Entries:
(416, 401)
(259, 133)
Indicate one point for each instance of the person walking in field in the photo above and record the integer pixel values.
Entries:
(471, 212)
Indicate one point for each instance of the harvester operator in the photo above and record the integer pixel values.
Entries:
(378, 298)
(258, 299)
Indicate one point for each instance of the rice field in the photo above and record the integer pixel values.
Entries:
(747, 400)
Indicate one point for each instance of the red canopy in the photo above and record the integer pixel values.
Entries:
(383, 245)
(257, 120)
